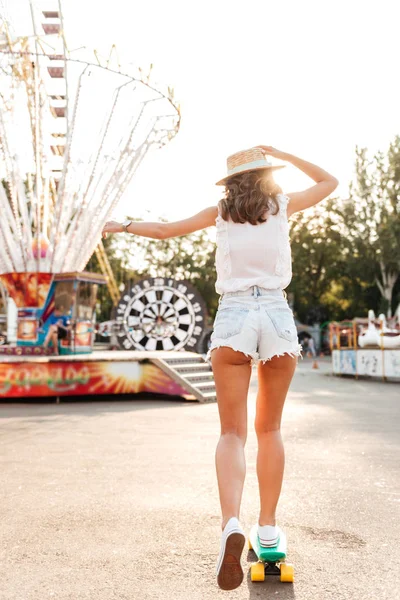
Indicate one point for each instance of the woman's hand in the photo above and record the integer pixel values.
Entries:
(111, 227)
(271, 151)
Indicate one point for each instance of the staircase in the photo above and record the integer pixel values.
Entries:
(190, 370)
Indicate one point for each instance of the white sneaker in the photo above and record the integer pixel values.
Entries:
(268, 535)
(229, 569)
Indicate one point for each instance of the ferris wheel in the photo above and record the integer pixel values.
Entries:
(73, 130)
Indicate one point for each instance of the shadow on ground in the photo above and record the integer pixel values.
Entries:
(270, 588)
(80, 405)
(379, 415)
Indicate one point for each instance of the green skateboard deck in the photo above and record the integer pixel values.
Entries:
(271, 561)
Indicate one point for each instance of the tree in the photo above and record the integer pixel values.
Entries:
(190, 257)
(371, 220)
(122, 273)
(318, 262)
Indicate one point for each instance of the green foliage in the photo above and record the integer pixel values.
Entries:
(190, 257)
(122, 273)
(317, 259)
(371, 223)
(324, 285)
(346, 253)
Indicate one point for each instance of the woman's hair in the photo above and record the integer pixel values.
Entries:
(248, 196)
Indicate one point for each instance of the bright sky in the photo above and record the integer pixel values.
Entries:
(311, 78)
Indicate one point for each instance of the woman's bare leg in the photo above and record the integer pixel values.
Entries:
(274, 378)
(232, 371)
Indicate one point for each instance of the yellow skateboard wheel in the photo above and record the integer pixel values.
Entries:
(287, 572)
(257, 571)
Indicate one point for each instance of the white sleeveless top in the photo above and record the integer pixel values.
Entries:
(250, 255)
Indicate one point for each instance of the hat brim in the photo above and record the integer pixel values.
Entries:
(272, 168)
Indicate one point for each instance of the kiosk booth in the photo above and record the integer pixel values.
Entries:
(44, 298)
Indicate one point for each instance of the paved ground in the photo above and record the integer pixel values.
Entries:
(109, 500)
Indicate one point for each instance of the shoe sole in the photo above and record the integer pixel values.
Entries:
(230, 575)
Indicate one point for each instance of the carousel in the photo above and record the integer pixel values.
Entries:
(368, 347)
(74, 128)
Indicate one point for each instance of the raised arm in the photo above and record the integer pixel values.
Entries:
(162, 231)
(325, 182)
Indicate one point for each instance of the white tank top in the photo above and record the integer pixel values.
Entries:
(250, 255)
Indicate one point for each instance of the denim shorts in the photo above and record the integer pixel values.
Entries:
(257, 322)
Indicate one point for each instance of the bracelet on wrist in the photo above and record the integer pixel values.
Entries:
(126, 224)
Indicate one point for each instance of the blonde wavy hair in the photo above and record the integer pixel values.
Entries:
(249, 196)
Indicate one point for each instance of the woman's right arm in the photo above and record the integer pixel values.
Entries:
(161, 231)
(325, 182)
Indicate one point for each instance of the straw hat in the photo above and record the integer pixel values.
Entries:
(245, 161)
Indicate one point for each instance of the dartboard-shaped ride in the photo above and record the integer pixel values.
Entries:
(160, 314)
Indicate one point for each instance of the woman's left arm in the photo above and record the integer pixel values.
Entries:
(162, 231)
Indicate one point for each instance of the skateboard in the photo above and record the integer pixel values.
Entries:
(271, 561)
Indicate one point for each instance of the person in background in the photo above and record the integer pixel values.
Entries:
(311, 348)
(58, 328)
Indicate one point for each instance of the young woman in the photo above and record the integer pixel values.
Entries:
(253, 325)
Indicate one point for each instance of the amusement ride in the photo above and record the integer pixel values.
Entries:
(366, 347)
(74, 128)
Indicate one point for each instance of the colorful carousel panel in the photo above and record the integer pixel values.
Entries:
(26, 379)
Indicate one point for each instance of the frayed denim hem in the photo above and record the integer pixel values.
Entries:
(255, 357)
(293, 354)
